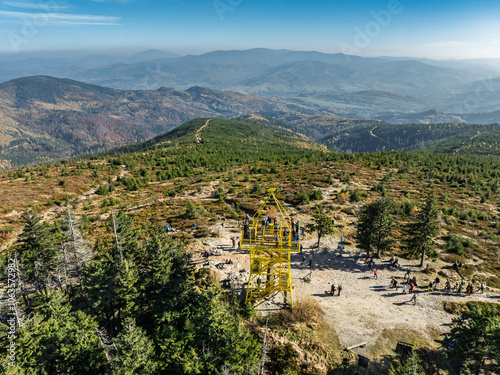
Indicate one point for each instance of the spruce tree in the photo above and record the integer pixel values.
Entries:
(37, 250)
(420, 233)
(375, 227)
(321, 224)
(133, 351)
(58, 340)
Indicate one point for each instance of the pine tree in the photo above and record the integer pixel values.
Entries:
(375, 227)
(133, 352)
(100, 290)
(421, 233)
(128, 288)
(37, 250)
(58, 340)
(477, 336)
(321, 224)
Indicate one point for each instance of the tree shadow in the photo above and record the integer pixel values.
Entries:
(329, 261)
(326, 294)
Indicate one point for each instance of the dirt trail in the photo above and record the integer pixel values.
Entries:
(198, 133)
(51, 213)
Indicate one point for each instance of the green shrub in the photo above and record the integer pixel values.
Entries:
(102, 190)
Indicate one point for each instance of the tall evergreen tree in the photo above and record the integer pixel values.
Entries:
(100, 290)
(477, 335)
(133, 352)
(58, 340)
(420, 233)
(37, 250)
(321, 224)
(375, 227)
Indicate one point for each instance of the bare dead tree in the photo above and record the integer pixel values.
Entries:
(75, 253)
(116, 239)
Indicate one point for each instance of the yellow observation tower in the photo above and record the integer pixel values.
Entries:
(271, 237)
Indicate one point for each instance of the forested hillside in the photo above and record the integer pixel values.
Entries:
(45, 118)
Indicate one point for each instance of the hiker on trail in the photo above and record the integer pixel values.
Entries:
(340, 288)
(459, 290)
(395, 284)
(414, 281)
(447, 286)
(375, 274)
(470, 289)
(234, 242)
(436, 282)
(429, 287)
(408, 272)
(392, 281)
(405, 288)
(332, 289)
(483, 287)
(370, 265)
(414, 298)
(412, 288)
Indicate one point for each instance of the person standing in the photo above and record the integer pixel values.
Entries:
(332, 290)
(375, 274)
(407, 274)
(340, 288)
(414, 298)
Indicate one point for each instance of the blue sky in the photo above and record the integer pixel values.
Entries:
(418, 28)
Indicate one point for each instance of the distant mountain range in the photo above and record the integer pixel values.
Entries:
(45, 118)
(349, 86)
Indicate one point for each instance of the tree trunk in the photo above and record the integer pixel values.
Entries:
(422, 259)
(319, 239)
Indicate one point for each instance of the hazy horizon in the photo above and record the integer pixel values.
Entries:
(405, 28)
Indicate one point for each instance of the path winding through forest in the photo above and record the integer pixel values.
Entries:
(198, 133)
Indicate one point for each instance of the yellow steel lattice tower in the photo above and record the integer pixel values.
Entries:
(269, 236)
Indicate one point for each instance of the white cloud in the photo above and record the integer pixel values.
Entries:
(24, 5)
(55, 18)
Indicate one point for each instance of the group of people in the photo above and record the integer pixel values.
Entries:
(410, 284)
(332, 289)
(394, 262)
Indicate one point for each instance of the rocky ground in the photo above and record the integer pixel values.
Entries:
(367, 310)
